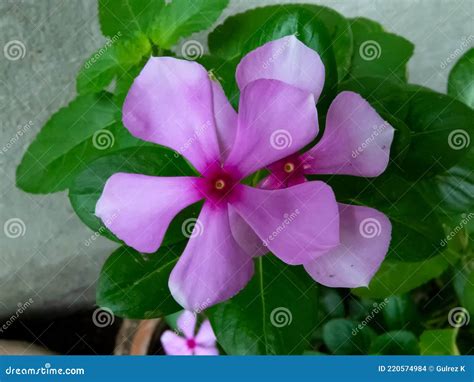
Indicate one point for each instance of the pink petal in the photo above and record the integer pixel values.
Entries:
(171, 103)
(139, 208)
(201, 350)
(365, 237)
(174, 344)
(187, 323)
(356, 140)
(226, 119)
(206, 336)
(286, 59)
(245, 235)
(213, 267)
(275, 120)
(297, 223)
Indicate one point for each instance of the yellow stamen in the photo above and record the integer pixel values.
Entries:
(289, 167)
(220, 184)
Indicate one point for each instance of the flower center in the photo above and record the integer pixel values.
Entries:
(219, 184)
(289, 167)
(191, 343)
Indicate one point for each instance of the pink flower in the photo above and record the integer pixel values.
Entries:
(356, 141)
(201, 343)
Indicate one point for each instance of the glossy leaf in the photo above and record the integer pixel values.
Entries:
(442, 130)
(181, 18)
(461, 79)
(274, 314)
(439, 342)
(395, 343)
(347, 337)
(133, 285)
(378, 53)
(67, 142)
(142, 159)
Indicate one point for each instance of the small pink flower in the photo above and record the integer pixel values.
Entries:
(201, 343)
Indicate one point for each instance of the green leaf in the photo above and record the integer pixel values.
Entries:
(395, 343)
(451, 191)
(347, 337)
(468, 293)
(66, 143)
(461, 79)
(332, 303)
(182, 17)
(442, 131)
(135, 286)
(396, 278)
(400, 313)
(246, 31)
(126, 17)
(154, 161)
(439, 342)
(274, 314)
(378, 53)
(114, 58)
